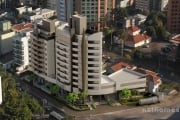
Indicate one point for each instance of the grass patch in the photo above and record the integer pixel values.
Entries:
(167, 86)
(131, 100)
(111, 103)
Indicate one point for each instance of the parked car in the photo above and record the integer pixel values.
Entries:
(145, 46)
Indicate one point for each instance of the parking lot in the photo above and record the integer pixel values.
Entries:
(154, 47)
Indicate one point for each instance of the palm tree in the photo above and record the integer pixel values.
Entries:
(109, 34)
(83, 96)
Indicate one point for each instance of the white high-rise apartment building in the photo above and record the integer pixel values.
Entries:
(21, 53)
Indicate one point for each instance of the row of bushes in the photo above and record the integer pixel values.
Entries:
(131, 100)
(79, 107)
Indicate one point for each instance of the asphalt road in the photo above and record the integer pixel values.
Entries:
(106, 112)
(152, 112)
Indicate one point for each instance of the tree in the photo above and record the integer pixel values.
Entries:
(151, 31)
(125, 93)
(156, 23)
(134, 92)
(54, 89)
(16, 105)
(119, 15)
(72, 97)
(83, 96)
(108, 33)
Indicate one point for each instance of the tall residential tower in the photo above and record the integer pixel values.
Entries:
(78, 57)
(173, 18)
(98, 12)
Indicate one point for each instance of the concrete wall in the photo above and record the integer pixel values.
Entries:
(50, 58)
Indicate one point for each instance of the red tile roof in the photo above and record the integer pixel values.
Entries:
(153, 75)
(22, 26)
(119, 66)
(176, 39)
(137, 38)
(133, 28)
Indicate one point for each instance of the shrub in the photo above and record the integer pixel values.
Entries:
(94, 105)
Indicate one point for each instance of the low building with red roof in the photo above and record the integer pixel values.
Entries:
(153, 80)
(176, 39)
(22, 26)
(133, 30)
(135, 39)
(124, 72)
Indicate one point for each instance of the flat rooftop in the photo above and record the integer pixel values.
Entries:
(125, 74)
(106, 79)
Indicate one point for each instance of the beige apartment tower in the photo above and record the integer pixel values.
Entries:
(98, 12)
(173, 17)
(78, 57)
(42, 50)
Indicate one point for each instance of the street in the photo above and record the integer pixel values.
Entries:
(106, 112)
(141, 113)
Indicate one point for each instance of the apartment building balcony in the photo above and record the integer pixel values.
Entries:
(37, 61)
(75, 49)
(93, 61)
(39, 51)
(62, 65)
(18, 42)
(75, 61)
(35, 54)
(63, 56)
(18, 46)
(62, 47)
(43, 34)
(93, 68)
(94, 65)
(75, 43)
(75, 77)
(76, 56)
(18, 52)
(19, 61)
(93, 51)
(75, 72)
(36, 68)
(63, 71)
(96, 79)
(94, 73)
(38, 44)
(94, 45)
(62, 60)
(75, 66)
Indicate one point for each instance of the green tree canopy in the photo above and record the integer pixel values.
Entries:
(155, 25)
(54, 88)
(125, 93)
(72, 97)
(119, 13)
(83, 95)
(16, 105)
